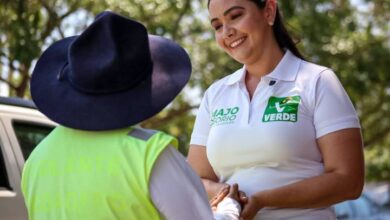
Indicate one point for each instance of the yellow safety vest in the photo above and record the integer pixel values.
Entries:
(93, 175)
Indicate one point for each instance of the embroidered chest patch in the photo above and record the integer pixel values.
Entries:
(224, 116)
(282, 109)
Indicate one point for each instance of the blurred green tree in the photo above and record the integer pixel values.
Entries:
(25, 27)
(353, 42)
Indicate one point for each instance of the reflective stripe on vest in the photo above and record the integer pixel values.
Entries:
(142, 133)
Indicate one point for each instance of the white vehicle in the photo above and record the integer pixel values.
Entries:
(22, 127)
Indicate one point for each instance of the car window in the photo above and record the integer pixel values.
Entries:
(4, 183)
(30, 135)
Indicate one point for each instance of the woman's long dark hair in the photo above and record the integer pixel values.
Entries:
(282, 36)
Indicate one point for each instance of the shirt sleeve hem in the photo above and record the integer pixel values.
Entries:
(198, 141)
(324, 130)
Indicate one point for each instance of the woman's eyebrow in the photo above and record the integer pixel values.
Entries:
(227, 12)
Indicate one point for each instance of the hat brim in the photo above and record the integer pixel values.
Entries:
(64, 104)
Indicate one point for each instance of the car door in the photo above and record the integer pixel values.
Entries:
(11, 199)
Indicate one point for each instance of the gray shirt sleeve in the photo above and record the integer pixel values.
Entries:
(178, 193)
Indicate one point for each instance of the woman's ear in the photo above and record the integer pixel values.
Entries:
(270, 11)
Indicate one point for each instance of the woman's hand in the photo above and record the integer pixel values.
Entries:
(219, 197)
(250, 209)
(243, 199)
(231, 192)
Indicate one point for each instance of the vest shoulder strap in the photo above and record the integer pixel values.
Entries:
(142, 133)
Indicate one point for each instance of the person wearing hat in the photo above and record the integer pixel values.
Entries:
(97, 164)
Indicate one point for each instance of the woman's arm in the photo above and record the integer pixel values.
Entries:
(197, 158)
(343, 178)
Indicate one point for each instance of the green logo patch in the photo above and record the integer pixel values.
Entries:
(224, 116)
(282, 109)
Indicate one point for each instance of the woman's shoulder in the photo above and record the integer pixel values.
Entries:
(312, 69)
(309, 73)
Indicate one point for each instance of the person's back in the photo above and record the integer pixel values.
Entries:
(102, 176)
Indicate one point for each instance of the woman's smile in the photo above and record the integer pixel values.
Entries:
(237, 42)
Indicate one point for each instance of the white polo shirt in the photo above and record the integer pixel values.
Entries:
(270, 141)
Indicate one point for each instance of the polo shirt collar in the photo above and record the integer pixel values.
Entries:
(236, 76)
(286, 70)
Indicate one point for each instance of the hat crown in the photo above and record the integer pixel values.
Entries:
(111, 55)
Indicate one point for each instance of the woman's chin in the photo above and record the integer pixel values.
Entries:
(241, 58)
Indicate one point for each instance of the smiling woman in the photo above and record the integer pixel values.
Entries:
(293, 144)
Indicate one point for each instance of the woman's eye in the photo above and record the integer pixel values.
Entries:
(235, 16)
(217, 27)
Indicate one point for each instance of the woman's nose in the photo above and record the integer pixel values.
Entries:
(228, 31)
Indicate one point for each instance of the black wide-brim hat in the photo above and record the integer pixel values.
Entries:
(112, 76)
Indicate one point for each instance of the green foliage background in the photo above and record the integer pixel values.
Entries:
(355, 43)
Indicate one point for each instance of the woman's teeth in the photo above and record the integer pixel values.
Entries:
(237, 42)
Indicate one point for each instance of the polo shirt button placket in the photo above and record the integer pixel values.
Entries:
(260, 93)
(246, 104)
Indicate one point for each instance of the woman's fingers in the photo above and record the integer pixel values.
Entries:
(220, 196)
(243, 199)
(233, 192)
